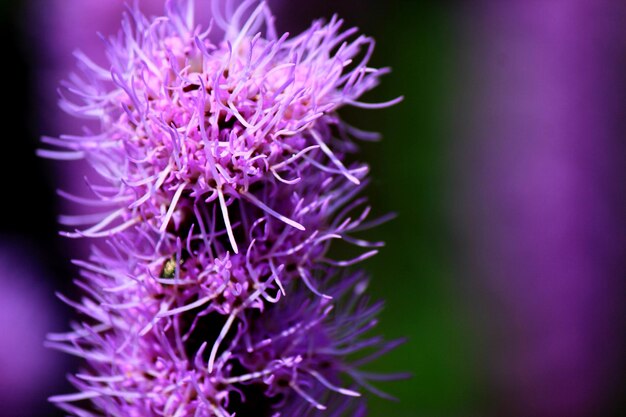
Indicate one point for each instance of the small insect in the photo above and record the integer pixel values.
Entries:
(169, 269)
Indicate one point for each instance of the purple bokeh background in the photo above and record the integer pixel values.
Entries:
(542, 171)
(28, 310)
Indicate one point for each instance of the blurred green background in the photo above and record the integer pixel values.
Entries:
(415, 273)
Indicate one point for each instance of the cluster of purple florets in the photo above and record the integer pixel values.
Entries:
(222, 181)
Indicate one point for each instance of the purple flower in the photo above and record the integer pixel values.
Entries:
(222, 180)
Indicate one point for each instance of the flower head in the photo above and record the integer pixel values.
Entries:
(181, 116)
(223, 168)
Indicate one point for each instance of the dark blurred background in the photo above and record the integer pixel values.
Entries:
(505, 163)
